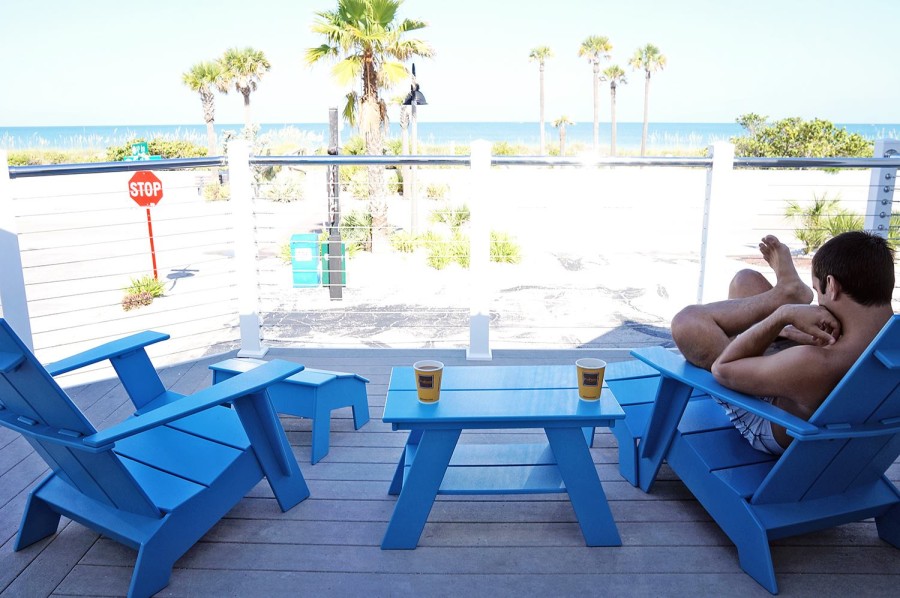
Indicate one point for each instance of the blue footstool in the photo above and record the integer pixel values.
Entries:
(309, 393)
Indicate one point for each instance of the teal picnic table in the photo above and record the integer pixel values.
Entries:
(497, 397)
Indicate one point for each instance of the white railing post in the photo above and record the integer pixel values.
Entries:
(479, 252)
(245, 248)
(881, 190)
(714, 234)
(13, 301)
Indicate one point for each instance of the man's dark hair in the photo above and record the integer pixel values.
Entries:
(862, 262)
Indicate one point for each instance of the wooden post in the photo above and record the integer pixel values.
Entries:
(336, 270)
(881, 191)
(246, 273)
(479, 253)
(13, 300)
(714, 234)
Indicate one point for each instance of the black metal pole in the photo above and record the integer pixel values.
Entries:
(336, 268)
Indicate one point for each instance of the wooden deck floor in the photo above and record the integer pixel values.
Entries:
(472, 546)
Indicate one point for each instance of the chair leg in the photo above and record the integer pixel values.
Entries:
(888, 526)
(756, 558)
(38, 522)
(152, 570)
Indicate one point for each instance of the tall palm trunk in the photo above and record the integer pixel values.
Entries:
(209, 112)
(562, 140)
(543, 140)
(612, 118)
(246, 94)
(596, 105)
(646, 114)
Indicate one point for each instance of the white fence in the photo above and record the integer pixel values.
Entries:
(610, 249)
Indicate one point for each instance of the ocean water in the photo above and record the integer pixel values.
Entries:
(628, 134)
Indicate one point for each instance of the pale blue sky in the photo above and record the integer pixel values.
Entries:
(120, 62)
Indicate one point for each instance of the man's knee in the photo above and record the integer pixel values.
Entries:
(685, 324)
(747, 283)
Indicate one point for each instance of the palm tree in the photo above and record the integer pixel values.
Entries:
(615, 75)
(560, 123)
(540, 54)
(596, 48)
(648, 59)
(244, 68)
(366, 37)
(202, 78)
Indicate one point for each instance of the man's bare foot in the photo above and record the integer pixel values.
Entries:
(787, 280)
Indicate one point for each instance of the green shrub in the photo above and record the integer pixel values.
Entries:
(504, 148)
(284, 253)
(439, 254)
(797, 138)
(842, 222)
(216, 191)
(404, 242)
(158, 147)
(146, 284)
(141, 292)
(395, 181)
(284, 190)
(356, 230)
(812, 229)
(437, 190)
(359, 184)
(33, 157)
(452, 216)
(504, 250)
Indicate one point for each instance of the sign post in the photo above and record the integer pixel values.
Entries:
(146, 190)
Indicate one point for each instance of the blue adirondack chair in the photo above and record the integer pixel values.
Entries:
(832, 473)
(158, 481)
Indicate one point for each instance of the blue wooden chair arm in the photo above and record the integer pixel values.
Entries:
(224, 392)
(106, 351)
(675, 366)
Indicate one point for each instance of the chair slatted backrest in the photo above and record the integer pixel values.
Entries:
(31, 402)
(868, 394)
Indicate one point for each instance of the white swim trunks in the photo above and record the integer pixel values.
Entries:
(755, 429)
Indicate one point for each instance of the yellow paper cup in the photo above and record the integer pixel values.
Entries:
(590, 377)
(428, 380)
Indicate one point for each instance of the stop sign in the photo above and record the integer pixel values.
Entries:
(145, 189)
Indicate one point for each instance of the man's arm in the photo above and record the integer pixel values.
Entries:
(798, 373)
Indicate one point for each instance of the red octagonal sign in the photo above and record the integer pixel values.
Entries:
(145, 189)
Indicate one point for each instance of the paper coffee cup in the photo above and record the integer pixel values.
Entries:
(428, 380)
(590, 377)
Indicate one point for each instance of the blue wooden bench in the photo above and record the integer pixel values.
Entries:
(313, 394)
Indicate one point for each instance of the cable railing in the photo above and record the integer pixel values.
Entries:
(476, 251)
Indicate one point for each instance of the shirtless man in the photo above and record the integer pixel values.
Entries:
(853, 276)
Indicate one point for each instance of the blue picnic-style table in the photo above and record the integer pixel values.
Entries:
(497, 397)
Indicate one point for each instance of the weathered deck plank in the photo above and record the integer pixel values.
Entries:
(480, 545)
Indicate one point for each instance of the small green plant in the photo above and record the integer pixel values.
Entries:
(437, 190)
(356, 231)
(452, 216)
(216, 191)
(813, 218)
(439, 254)
(504, 250)
(284, 253)
(404, 242)
(157, 147)
(284, 190)
(141, 292)
(842, 222)
(146, 284)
